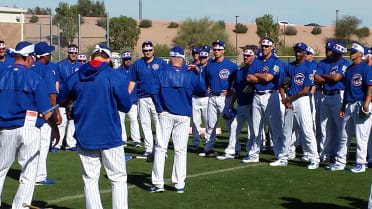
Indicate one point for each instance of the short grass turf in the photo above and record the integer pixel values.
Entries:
(210, 184)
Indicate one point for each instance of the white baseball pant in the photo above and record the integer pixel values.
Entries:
(113, 160)
(62, 127)
(66, 128)
(370, 147)
(199, 107)
(370, 199)
(266, 107)
(70, 139)
(45, 135)
(146, 110)
(176, 126)
(300, 112)
(361, 127)
(134, 127)
(24, 143)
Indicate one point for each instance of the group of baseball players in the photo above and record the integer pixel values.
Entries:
(319, 106)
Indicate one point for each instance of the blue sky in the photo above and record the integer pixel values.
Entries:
(298, 12)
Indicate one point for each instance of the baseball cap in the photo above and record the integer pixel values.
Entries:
(126, 55)
(248, 52)
(23, 48)
(266, 42)
(368, 51)
(357, 47)
(177, 52)
(195, 50)
(301, 46)
(341, 48)
(43, 49)
(81, 57)
(310, 50)
(102, 48)
(147, 45)
(207, 48)
(73, 50)
(203, 54)
(219, 44)
(329, 45)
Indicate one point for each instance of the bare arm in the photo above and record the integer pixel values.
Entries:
(332, 78)
(252, 78)
(266, 77)
(131, 86)
(319, 79)
(299, 94)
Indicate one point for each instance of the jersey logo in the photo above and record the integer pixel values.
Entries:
(224, 74)
(155, 66)
(276, 68)
(299, 79)
(265, 69)
(76, 69)
(344, 68)
(356, 80)
(311, 77)
(15, 69)
(247, 89)
(334, 70)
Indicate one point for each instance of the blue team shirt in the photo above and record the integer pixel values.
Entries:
(126, 73)
(65, 68)
(47, 75)
(244, 90)
(330, 68)
(357, 79)
(301, 76)
(202, 77)
(9, 61)
(20, 90)
(144, 74)
(218, 73)
(273, 66)
(53, 67)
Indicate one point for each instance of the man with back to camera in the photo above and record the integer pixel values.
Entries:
(98, 130)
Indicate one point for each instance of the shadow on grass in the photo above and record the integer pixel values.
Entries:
(43, 204)
(294, 203)
(5, 206)
(356, 202)
(14, 174)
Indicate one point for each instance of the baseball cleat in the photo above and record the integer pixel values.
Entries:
(210, 153)
(313, 166)
(146, 154)
(45, 182)
(155, 189)
(72, 149)
(225, 157)
(180, 191)
(54, 149)
(279, 163)
(336, 167)
(250, 160)
(137, 144)
(358, 168)
(305, 158)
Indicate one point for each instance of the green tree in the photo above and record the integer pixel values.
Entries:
(362, 32)
(267, 28)
(240, 28)
(89, 8)
(124, 32)
(346, 27)
(67, 17)
(39, 11)
(197, 32)
(161, 50)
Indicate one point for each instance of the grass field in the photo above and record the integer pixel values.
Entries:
(210, 184)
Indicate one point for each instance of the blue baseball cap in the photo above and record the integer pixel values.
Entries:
(147, 45)
(23, 48)
(43, 49)
(329, 45)
(219, 44)
(126, 55)
(195, 50)
(102, 48)
(177, 52)
(310, 50)
(203, 54)
(357, 47)
(341, 48)
(207, 48)
(300, 46)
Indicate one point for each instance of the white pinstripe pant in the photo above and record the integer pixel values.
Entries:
(66, 126)
(199, 107)
(134, 127)
(113, 160)
(24, 143)
(146, 110)
(176, 126)
(45, 134)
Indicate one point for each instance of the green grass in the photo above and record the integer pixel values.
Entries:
(254, 185)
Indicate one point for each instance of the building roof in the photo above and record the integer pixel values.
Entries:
(12, 10)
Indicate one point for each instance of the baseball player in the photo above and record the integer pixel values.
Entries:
(243, 93)
(195, 55)
(42, 53)
(65, 69)
(23, 96)
(265, 73)
(217, 75)
(368, 60)
(143, 74)
(173, 99)
(199, 104)
(297, 103)
(355, 111)
(133, 112)
(4, 57)
(82, 59)
(98, 130)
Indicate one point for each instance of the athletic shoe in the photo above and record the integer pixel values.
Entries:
(155, 189)
(210, 153)
(128, 157)
(45, 182)
(180, 191)
(249, 160)
(305, 158)
(74, 149)
(54, 149)
(146, 154)
(279, 163)
(125, 144)
(137, 144)
(336, 167)
(225, 157)
(358, 168)
(313, 166)
(291, 157)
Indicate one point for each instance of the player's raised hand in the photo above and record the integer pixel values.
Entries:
(193, 67)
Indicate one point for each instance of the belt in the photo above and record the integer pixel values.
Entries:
(216, 93)
(331, 93)
(264, 92)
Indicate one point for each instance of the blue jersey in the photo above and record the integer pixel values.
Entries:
(218, 73)
(98, 93)
(20, 90)
(333, 68)
(144, 74)
(244, 90)
(202, 77)
(175, 88)
(65, 68)
(126, 73)
(47, 75)
(301, 76)
(53, 67)
(357, 79)
(272, 66)
(9, 61)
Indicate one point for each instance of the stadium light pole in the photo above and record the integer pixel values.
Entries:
(140, 10)
(236, 34)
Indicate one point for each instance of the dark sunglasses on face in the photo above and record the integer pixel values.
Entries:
(265, 46)
(72, 52)
(217, 50)
(147, 50)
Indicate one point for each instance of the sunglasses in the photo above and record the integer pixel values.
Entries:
(150, 50)
(217, 50)
(73, 53)
(264, 46)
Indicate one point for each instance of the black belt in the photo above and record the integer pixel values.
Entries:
(331, 93)
(216, 93)
(264, 92)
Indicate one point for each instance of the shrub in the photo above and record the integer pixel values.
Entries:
(221, 23)
(34, 19)
(362, 32)
(145, 24)
(161, 50)
(290, 30)
(240, 28)
(316, 30)
(173, 25)
(102, 22)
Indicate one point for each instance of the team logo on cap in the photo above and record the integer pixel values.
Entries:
(299, 79)
(265, 69)
(155, 66)
(224, 74)
(334, 70)
(356, 80)
(266, 42)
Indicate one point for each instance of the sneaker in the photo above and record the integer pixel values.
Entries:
(74, 149)
(180, 191)
(155, 189)
(146, 154)
(137, 144)
(125, 144)
(210, 153)
(128, 157)
(313, 166)
(305, 158)
(291, 157)
(279, 163)
(225, 157)
(336, 167)
(54, 149)
(45, 182)
(249, 160)
(358, 168)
